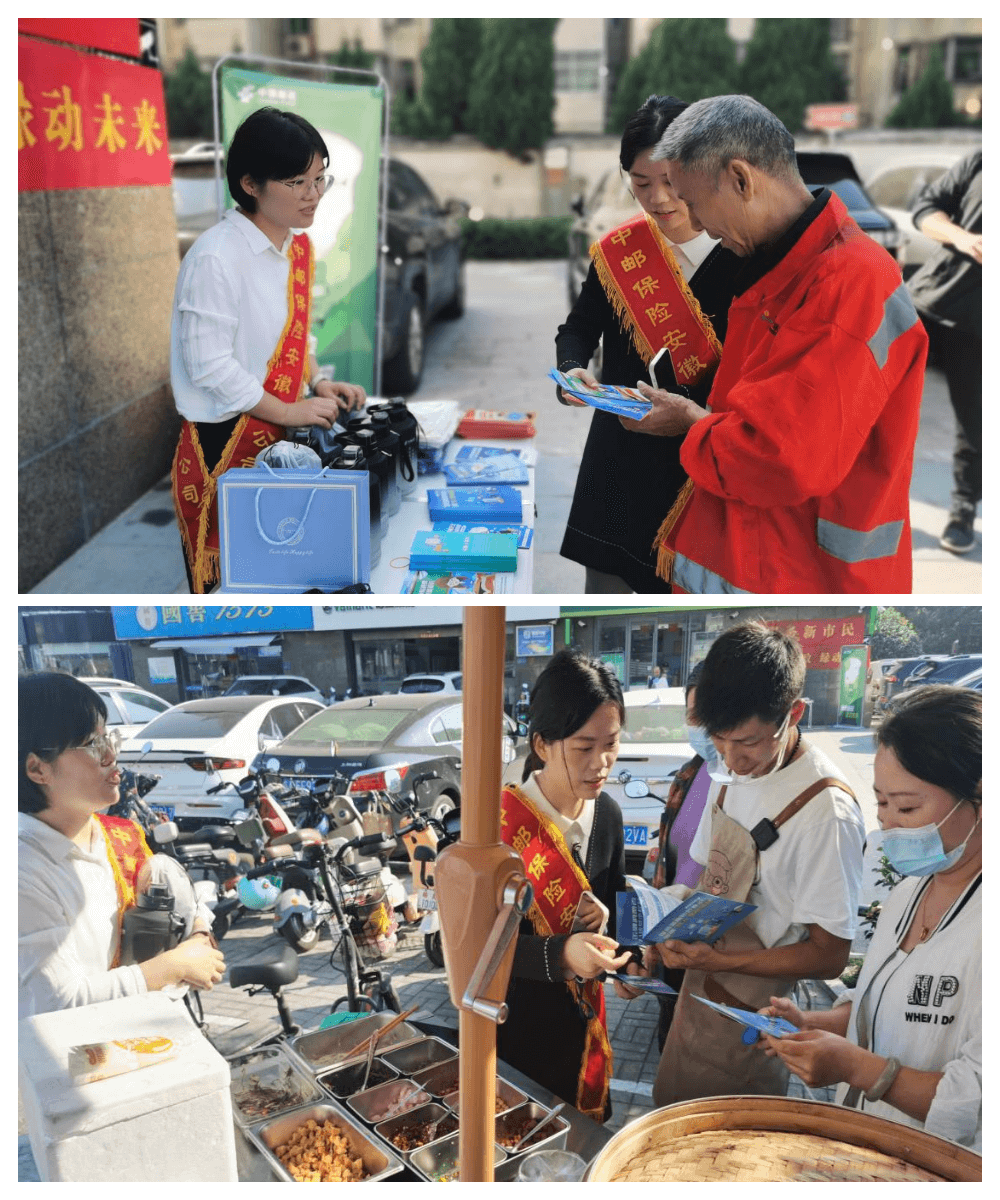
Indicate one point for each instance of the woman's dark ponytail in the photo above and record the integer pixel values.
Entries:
(565, 696)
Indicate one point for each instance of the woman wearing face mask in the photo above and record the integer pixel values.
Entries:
(571, 838)
(77, 867)
(628, 481)
(908, 1044)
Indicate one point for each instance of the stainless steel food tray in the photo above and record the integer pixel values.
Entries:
(379, 1160)
(321, 1049)
(270, 1065)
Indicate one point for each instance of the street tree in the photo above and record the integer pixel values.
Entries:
(355, 56)
(789, 65)
(947, 630)
(894, 636)
(188, 96)
(512, 95)
(929, 103)
(448, 61)
(686, 57)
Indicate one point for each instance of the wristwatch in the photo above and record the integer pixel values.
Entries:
(881, 1085)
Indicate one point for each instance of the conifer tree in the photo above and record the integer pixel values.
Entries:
(512, 95)
(789, 65)
(928, 104)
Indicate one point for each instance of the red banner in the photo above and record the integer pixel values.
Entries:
(119, 35)
(87, 121)
(822, 638)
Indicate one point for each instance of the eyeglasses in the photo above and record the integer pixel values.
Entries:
(302, 187)
(102, 747)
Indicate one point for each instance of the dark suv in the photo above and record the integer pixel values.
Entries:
(424, 273)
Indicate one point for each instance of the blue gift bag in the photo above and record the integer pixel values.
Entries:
(288, 531)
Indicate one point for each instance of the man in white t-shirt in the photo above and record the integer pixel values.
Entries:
(807, 873)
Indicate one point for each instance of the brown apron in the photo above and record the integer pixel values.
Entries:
(704, 1054)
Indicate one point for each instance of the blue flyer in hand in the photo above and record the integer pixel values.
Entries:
(642, 983)
(772, 1026)
(621, 401)
(650, 915)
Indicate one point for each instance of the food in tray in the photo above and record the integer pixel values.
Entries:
(256, 1099)
(348, 1080)
(318, 1153)
(396, 1099)
(518, 1125)
(412, 1137)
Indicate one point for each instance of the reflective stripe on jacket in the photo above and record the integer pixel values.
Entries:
(802, 469)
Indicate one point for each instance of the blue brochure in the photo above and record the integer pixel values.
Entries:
(773, 1026)
(523, 533)
(622, 401)
(492, 503)
(477, 452)
(500, 468)
(642, 983)
(646, 914)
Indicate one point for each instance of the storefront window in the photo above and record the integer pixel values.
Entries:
(640, 661)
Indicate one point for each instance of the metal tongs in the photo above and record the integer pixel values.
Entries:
(535, 1128)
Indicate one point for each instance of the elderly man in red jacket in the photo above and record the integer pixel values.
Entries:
(800, 469)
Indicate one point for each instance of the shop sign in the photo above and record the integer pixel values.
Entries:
(823, 638)
(161, 670)
(534, 641)
(85, 121)
(118, 35)
(203, 620)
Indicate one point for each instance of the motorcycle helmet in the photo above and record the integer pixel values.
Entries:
(257, 894)
(294, 900)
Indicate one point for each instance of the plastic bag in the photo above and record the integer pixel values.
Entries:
(289, 454)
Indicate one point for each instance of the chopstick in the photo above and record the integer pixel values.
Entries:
(369, 1042)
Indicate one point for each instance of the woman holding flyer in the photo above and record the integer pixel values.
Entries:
(241, 357)
(571, 838)
(654, 284)
(907, 1046)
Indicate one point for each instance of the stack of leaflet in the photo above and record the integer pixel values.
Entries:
(492, 504)
(445, 552)
(483, 423)
(621, 401)
(504, 467)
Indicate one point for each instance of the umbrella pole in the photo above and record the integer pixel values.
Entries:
(470, 879)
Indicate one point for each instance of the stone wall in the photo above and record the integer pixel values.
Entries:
(97, 425)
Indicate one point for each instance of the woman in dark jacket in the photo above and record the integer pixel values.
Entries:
(571, 838)
(628, 481)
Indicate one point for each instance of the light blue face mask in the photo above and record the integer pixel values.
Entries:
(702, 744)
(921, 851)
(722, 774)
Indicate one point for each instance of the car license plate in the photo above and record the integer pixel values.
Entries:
(166, 809)
(636, 835)
(426, 900)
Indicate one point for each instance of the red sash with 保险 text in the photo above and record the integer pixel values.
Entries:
(193, 485)
(127, 851)
(558, 885)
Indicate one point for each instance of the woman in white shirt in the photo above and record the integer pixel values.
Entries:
(908, 1044)
(77, 866)
(241, 357)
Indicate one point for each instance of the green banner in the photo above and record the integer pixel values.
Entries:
(345, 233)
(853, 674)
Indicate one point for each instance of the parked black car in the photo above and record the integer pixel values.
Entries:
(421, 257)
(424, 273)
(946, 670)
(372, 733)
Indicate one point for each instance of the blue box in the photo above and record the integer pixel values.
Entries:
(432, 551)
(489, 503)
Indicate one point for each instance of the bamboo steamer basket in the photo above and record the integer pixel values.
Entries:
(775, 1139)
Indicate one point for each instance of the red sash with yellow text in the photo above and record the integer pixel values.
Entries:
(193, 485)
(558, 885)
(648, 291)
(127, 851)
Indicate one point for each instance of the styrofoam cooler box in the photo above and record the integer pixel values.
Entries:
(170, 1122)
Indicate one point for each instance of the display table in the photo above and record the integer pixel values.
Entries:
(393, 567)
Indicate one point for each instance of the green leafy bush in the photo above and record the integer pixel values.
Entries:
(534, 237)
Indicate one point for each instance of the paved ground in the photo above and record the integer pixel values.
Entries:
(237, 1020)
(497, 356)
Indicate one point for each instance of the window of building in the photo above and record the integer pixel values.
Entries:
(968, 61)
(578, 70)
(840, 28)
(901, 76)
